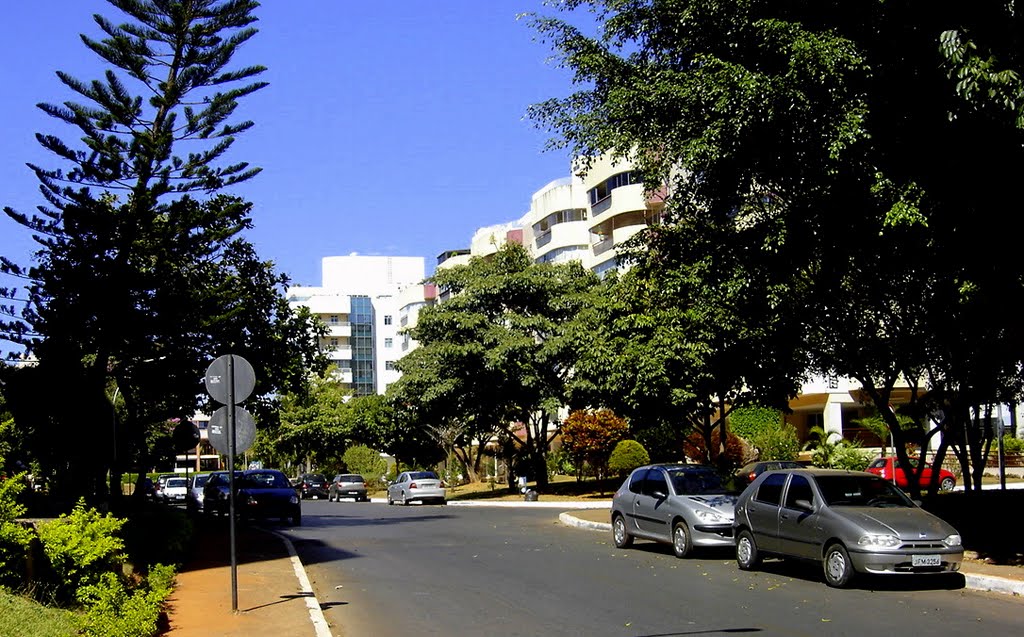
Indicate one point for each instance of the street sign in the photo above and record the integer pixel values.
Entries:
(217, 378)
(186, 436)
(245, 430)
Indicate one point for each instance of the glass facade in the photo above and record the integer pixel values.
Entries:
(361, 320)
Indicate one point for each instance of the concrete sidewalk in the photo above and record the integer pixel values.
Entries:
(276, 599)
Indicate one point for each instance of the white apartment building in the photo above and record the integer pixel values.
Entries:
(361, 300)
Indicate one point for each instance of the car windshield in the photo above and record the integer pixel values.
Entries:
(423, 475)
(700, 482)
(861, 491)
(199, 481)
(266, 480)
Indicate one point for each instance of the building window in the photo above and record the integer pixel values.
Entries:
(334, 342)
(388, 342)
(334, 319)
(387, 319)
(389, 365)
(604, 189)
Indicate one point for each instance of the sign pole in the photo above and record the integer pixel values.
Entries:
(231, 481)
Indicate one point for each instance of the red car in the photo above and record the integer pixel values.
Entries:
(884, 467)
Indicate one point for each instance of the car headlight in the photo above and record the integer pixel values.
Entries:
(879, 541)
(294, 499)
(953, 540)
(712, 517)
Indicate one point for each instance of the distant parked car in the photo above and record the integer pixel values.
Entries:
(848, 521)
(348, 485)
(679, 504)
(412, 486)
(260, 494)
(194, 497)
(313, 486)
(161, 480)
(174, 490)
(750, 471)
(889, 469)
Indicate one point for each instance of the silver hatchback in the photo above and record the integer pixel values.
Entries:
(683, 505)
(848, 521)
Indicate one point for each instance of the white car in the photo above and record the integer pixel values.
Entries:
(413, 486)
(174, 490)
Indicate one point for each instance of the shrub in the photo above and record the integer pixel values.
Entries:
(1013, 445)
(366, 462)
(837, 453)
(115, 609)
(627, 455)
(81, 547)
(15, 539)
(728, 461)
(777, 443)
(590, 436)
(753, 421)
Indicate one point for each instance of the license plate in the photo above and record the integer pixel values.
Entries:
(925, 560)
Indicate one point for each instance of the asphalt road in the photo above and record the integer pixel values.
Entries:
(450, 571)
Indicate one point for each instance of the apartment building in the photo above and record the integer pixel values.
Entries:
(361, 301)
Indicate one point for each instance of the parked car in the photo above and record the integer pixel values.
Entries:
(174, 490)
(412, 486)
(679, 504)
(750, 471)
(194, 497)
(849, 521)
(260, 494)
(348, 485)
(313, 486)
(890, 469)
(161, 480)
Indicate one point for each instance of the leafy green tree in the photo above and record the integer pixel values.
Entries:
(136, 281)
(590, 437)
(804, 149)
(366, 462)
(626, 456)
(494, 358)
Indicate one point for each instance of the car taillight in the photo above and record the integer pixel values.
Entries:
(751, 476)
(412, 485)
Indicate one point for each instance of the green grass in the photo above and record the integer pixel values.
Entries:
(22, 617)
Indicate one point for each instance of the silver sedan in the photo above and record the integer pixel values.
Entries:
(417, 486)
(683, 505)
(848, 521)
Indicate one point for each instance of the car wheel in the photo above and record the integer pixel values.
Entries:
(390, 501)
(947, 484)
(838, 569)
(747, 556)
(405, 499)
(682, 542)
(621, 537)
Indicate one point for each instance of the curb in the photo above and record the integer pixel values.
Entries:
(316, 614)
(990, 583)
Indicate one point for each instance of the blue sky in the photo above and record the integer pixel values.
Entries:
(388, 128)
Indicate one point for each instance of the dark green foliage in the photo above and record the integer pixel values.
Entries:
(15, 538)
(366, 462)
(778, 443)
(627, 455)
(113, 608)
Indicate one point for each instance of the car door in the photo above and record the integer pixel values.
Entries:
(799, 531)
(762, 510)
(650, 506)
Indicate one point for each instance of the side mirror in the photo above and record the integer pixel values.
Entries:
(803, 505)
(660, 495)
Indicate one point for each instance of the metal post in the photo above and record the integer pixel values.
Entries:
(231, 481)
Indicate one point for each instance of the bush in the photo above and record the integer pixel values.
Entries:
(115, 609)
(754, 421)
(15, 538)
(81, 548)
(366, 462)
(1013, 445)
(778, 443)
(728, 461)
(835, 454)
(627, 455)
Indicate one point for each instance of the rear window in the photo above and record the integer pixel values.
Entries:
(352, 478)
(176, 482)
(314, 477)
(423, 475)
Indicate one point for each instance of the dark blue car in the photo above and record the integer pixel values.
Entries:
(260, 494)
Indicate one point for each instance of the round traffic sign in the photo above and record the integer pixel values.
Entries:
(186, 436)
(245, 430)
(242, 378)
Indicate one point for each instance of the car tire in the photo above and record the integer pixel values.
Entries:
(390, 501)
(947, 484)
(405, 500)
(837, 566)
(748, 557)
(621, 537)
(682, 541)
